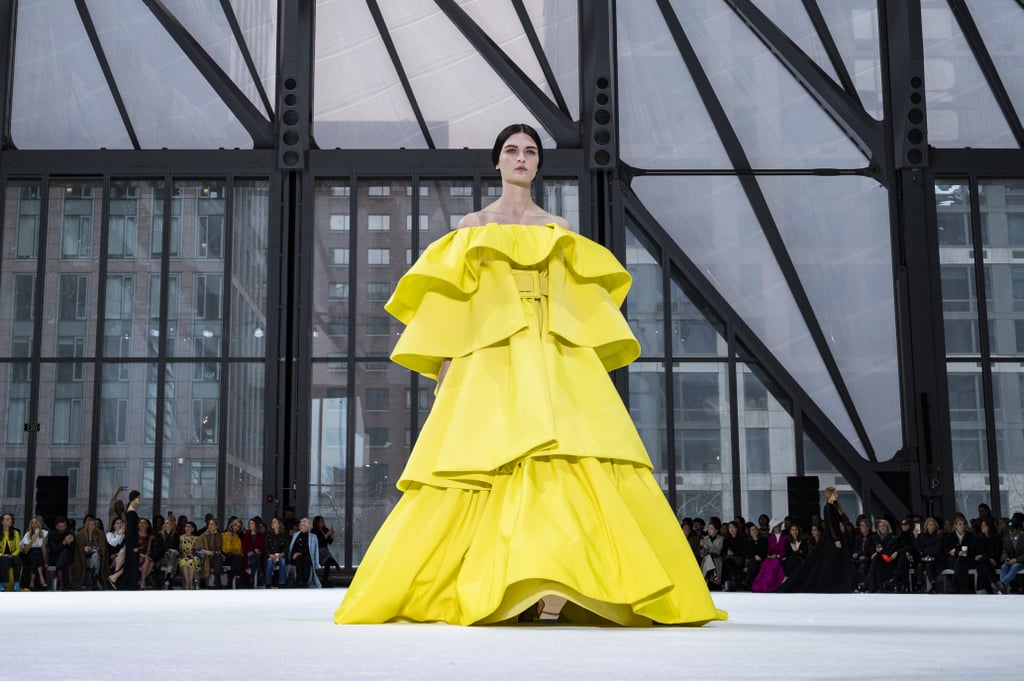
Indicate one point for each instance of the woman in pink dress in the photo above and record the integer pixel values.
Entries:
(771, 574)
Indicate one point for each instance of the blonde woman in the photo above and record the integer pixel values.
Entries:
(33, 551)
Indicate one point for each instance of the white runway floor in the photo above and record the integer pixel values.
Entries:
(245, 634)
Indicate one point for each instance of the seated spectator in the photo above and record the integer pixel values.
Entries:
(863, 547)
(10, 553)
(960, 549)
(33, 554)
(1012, 557)
(116, 552)
(188, 560)
(231, 547)
(165, 550)
(711, 554)
(60, 551)
(325, 537)
(771, 574)
(209, 550)
(984, 513)
(304, 554)
(814, 537)
(989, 549)
(883, 556)
(764, 525)
(276, 542)
(734, 551)
(90, 563)
(929, 548)
(906, 556)
(796, 550)
(253, 546)
(144, 551)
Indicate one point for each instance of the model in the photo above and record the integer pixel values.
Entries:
(528, 488)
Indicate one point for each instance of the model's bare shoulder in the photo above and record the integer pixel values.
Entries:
(560, 221)
(470, 220)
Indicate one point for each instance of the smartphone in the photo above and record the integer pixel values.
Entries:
(917, 528)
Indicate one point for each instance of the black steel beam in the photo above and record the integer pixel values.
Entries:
(996, 163)
(831, 49)
(248, 115)
(154, 162)
(917, 286)
(988, 67)
(562, 128)
(846, 111)
(752, 190)
(542, 58)
(396, 61)
(101, 57)
(236, 30)
(8, 23)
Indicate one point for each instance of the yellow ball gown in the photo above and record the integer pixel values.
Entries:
(528, 477)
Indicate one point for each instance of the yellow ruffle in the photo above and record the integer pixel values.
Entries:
(459, 296)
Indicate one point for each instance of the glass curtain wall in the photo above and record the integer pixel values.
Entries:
(129, 354)
(980, 234)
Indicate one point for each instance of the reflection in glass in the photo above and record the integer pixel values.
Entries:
(645, 307)
(767, 445)
(249, 233)
(66, 412)
(328, 448)
(1001, 203)
(962, 111)
(22, 213)
(702, 440)
(244, 408)
(647, 409)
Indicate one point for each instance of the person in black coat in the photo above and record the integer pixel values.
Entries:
(861, 550)
(130, 576)
(960, 548)
(989, 550)
(929, 547)
(828, 568)
(734, 553)
(883, 557)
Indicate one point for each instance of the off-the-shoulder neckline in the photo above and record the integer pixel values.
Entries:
(512, 224)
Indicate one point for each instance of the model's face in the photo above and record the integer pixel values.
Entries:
(519, 159)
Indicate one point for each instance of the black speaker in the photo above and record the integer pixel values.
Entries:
(802, 493)
(51, 497)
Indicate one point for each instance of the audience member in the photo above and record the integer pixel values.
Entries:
(305, 556)
(1012, 557)
(929, 548)
(188, 560)
(166, 551)
(711, 554)
(144, 551)
(33, 554)
(253, 547)
(10, 553)
(883, 556)
(734, 552)
(209, 550)
(231, 547)
(863, 546)
(796, 550)
(115, 544)
(988, 550)
(276, 541)
(771, 574)
(960, 549)
(60, 551)
(324, 539)
(90, 563)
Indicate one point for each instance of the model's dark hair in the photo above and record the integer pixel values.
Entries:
(503, 136)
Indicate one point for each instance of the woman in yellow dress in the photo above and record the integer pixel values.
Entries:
(528, 488)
